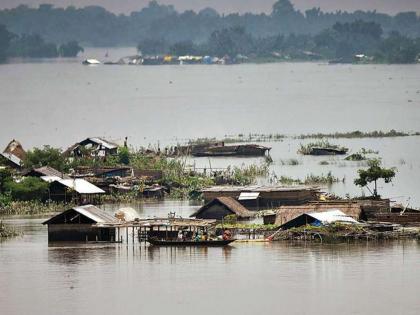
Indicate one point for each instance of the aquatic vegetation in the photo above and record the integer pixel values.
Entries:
(307, 149)
(328, 179)
(324, 163)
(311, 179)
(7, 231)
(359, 134)
(356, 157)
(32, 208)
(290, 162)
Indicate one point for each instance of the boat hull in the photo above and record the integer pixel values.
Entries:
(216, 243)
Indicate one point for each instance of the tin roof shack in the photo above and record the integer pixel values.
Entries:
(263, 197)
(319, 219)
(220, 207)
(44, 171)
(81, 224)
(92, 147)
(10, 160)
(69, 189)
(284, 214)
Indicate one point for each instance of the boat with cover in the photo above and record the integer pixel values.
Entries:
(159, 242)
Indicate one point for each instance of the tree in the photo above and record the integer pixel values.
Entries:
(5, 176)
(47, 156)
(5, 38)
(183, 48)
(374, 173)
(124, 155)
(70, 49)
(30, 188)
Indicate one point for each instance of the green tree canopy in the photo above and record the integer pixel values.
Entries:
(47, 156)
(374, 173)
(70, 49)
(5, 38)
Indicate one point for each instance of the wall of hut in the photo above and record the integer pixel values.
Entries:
(79, 233)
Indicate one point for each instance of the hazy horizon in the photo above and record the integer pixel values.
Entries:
(241, 6)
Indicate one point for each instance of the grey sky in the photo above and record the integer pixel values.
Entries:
(118, 6)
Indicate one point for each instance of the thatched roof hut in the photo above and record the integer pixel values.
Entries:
(220, 207)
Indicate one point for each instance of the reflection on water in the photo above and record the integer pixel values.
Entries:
(245, 278)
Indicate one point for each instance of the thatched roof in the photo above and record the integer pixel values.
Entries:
(287, 213)
(14, 147)
(231, 204)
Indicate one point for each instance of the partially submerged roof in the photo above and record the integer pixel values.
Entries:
(97, 215)
(287, 213)
(231, 204)
(78, 184)
(319, 218)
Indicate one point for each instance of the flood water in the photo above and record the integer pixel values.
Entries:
(60, 102)
(245, 278)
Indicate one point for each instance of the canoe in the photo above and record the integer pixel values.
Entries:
(154, 241)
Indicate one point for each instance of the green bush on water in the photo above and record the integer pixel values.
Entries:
(32, 207)
(311, 179)
(7, 231)
(306, 149)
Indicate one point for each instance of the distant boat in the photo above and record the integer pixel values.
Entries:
(91, 62)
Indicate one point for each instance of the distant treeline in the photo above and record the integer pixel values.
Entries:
(345, 42)
(95, 26)
(33, 46)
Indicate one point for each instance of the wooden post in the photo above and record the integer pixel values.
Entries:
(126, 234)
(133, 234)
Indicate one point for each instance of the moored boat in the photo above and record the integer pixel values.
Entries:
(213, 243)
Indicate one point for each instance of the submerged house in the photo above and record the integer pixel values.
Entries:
(285, 214)
(220, 207)
(71, 189)
(263, 197)
(93, 147)
(319, 219)
(81, 224)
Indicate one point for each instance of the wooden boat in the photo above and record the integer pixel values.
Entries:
(157, 242)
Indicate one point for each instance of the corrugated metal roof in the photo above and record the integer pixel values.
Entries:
(248, 195)
(12, 158)
(332, 216)
(104, 143)
(96, 214)
(90, 211)
(80, 185)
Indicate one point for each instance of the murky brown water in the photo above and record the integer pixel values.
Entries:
(266, 278)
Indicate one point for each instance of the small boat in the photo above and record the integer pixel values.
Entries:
(157, 242)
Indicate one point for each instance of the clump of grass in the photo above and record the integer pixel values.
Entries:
(359, 134)
(286, 180)
(356, 157)
(307, 148)
(324, 163)
(290, 162)
(7, 231)
(328, 179)
(32, 208)
(311, 179)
